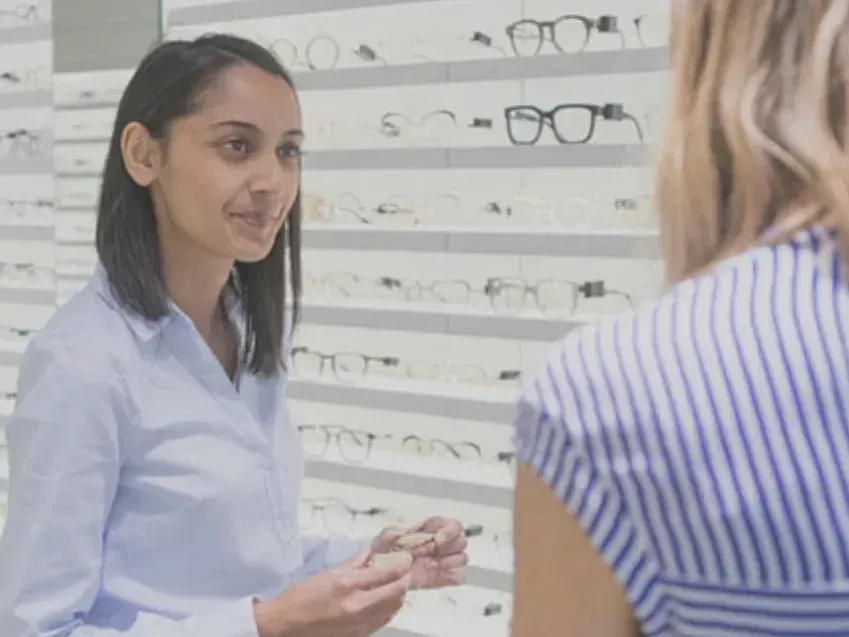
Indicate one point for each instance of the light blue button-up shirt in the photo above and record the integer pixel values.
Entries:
(149, 496)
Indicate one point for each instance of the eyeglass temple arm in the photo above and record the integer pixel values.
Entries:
(610, 24)
(617, 113)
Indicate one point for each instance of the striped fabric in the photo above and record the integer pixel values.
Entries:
(702, 442)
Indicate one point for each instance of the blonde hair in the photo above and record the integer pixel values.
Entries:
(756, 142)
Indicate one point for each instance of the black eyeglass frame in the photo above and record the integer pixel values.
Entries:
(608, 112)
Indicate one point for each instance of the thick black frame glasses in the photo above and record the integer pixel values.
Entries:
(570, 123)
(568, 33)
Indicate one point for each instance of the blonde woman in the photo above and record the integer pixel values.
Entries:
(684, 469)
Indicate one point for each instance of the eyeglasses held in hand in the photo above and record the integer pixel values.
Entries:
(568, 33)
(570, 123)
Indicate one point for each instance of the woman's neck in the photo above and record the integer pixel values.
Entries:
(195, 286)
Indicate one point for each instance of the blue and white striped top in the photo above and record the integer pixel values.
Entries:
(702, 441)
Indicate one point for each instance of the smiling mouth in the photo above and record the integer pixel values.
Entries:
(257, 217)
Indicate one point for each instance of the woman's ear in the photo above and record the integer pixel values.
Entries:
(141, 154)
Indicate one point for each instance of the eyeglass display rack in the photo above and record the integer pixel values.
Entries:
(26, 185)
(398, 403)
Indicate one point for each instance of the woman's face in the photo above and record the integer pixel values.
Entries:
(229, 173)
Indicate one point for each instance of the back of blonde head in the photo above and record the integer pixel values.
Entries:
(757, 129)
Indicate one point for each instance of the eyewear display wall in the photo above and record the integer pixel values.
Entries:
(27, 296)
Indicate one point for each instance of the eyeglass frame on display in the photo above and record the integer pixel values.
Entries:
(432, 443)
(607, 24)
(35, 139)
(385, 208)
(22, 209)
(29, 15)
(587, 289)
(315, 505)
(385, 361)
(333, 433)
(405, 285)
(638, 25)
(23, 268)
(28, 79)
(607, 112)
(394, 131)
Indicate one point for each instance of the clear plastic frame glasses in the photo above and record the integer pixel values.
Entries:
(463, 451)
(459, 373)
(22, 143)
(627, 213)
(334, 516)
(26, 211)
(15, 338)
(354, 445)
(394, 210)
(455, 291)
(25, 274)
(512, 295)
(652, 30)
(567, 33)
(435, 126)
(346, 366)
(23, 80)
(19, 14)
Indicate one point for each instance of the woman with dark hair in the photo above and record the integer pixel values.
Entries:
(154, 472)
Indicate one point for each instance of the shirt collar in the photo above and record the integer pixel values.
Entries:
(146, 329)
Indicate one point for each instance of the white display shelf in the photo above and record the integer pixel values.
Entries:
(25, 296)
(489, 486)
(10, 359)
(517, 157)
(30, 166)
(26, 33)
(488, 70)
(21, 232)
(240, 10)
(519, 240)
(420, 397)
(437, 318)
(26, 99)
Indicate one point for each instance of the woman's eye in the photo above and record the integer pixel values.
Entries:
(290, 150)
(236, 145)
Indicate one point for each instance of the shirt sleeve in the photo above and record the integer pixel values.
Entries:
(65, 461)
(554, 436)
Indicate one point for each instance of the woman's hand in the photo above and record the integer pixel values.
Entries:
(352, 600)
(436, 564)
